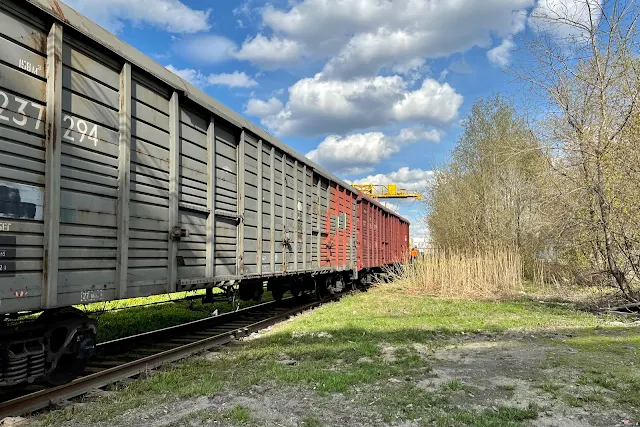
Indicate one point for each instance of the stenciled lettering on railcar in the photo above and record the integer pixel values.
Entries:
(22, 110)
(7, 255)
(5, 227)
(29, 67)
(7, 267)
(86, 130)
(82, 128)
(91, 296)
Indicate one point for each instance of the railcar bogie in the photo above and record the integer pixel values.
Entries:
(54, 348)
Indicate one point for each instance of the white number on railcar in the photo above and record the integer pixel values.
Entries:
(4, 103)
(82, 128)
(90, 296)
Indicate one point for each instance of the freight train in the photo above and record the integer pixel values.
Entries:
(118, 179)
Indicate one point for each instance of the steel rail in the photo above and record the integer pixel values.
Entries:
(108, 347)
(41, 399)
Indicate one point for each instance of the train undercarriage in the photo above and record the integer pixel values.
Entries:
(54, 347)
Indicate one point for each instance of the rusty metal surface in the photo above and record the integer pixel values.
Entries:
(382, 236)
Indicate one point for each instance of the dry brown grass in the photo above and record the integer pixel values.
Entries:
(491, 274)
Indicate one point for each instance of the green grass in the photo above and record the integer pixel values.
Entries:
(239, 415)
(406, 317)
(136, 320)
(329, 345)
(311, 422)
(139, 318)
(454, 385)
(142, 301)
(606, 363)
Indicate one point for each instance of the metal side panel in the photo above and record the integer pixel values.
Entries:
(24, 150)
(193, 210)
(149, 183)
(251, 193)
(225, 254)
(272, 209)
(89, 190)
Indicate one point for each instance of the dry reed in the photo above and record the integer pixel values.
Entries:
(489, 274)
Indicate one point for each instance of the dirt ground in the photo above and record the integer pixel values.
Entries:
(476, 372)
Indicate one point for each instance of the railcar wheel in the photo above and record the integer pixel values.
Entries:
(277, 292)
(251, 291)
(70, 342)
(257, 296)
(320, 290)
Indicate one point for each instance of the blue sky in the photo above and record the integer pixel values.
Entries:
(373, 90)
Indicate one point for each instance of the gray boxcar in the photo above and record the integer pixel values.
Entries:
(118, 179)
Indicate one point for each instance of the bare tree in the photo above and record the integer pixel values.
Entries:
(582, 58)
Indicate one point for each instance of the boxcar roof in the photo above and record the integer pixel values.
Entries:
(383, 207)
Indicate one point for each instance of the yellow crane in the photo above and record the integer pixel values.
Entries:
(387, 191)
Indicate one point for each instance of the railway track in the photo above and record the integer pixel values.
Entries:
(127, 357)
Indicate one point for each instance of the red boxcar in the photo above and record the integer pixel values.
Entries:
(338, 247)
(383, 235)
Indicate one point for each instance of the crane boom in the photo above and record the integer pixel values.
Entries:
(387, 191)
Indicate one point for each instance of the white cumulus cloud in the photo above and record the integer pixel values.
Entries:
(260, 108)
(363, 36)
(319, 106)
(269, 53)
(197, 78)
(358, 153)
(406, 178)
(169, 15)
(433, 102)
(417, 134)
(235, 79)
(501, 54)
